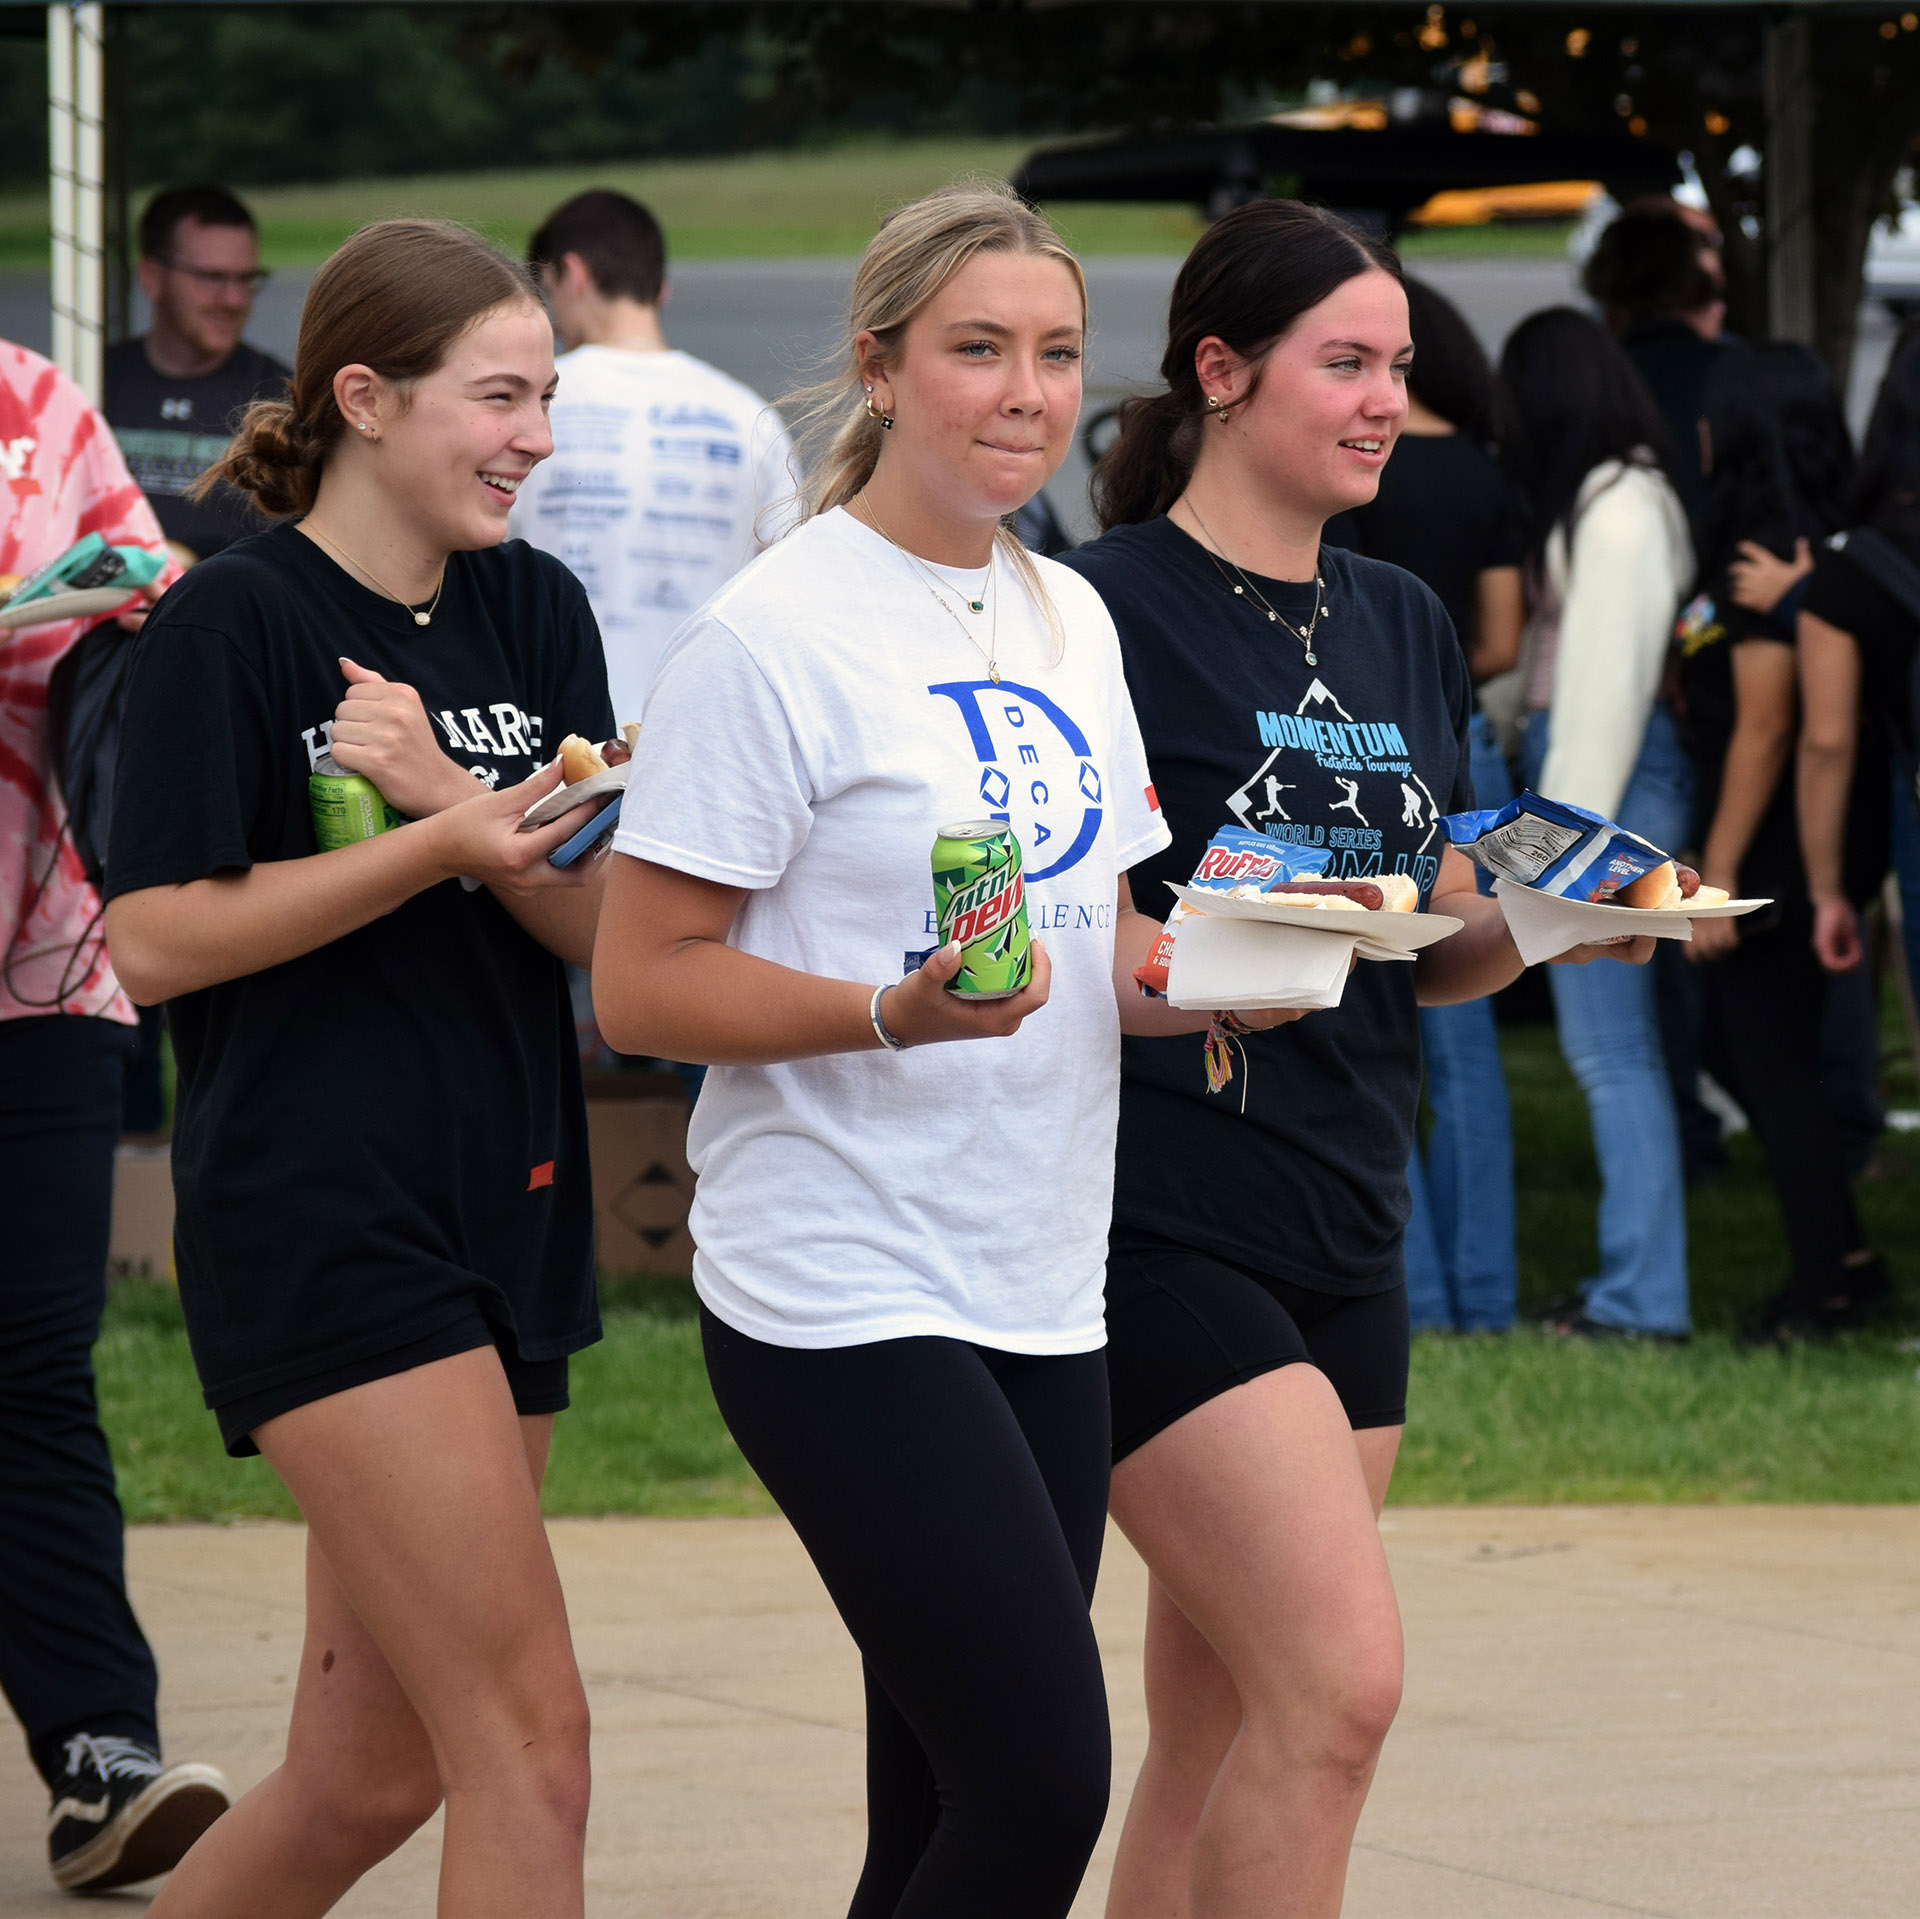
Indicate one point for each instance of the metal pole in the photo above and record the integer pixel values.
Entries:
(60, 176)
(1788, 176)
(89, 193)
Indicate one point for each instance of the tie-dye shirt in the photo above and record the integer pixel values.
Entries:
(61, 478)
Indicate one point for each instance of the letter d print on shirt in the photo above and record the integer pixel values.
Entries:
(1037, 770)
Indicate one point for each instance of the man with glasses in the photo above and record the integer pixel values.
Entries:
(174, 395)
(173, 398)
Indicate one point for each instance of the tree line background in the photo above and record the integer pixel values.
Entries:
(259, 95)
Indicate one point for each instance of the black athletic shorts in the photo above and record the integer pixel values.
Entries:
(538, 1385)
(1185, 1326)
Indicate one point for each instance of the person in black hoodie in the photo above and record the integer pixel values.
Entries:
(1780, 462)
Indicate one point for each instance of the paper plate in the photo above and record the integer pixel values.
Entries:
(1544, 925)
(1381, 935)
(563, 799)
(65, 606)
(1726, 910)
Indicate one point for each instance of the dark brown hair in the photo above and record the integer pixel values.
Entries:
(209, 205)
(618, 238)
(395, 297)
(1249, 277)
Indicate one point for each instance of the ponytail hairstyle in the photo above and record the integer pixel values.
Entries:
(919, 248)
(1250, 276)
(394, 297)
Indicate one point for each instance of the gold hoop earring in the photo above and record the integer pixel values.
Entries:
(885, 419)
(1218, 407)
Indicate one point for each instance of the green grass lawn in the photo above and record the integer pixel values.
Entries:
(1515, 1418)
(749, 205)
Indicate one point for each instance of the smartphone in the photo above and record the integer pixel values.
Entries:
(91, 562)
(589, 836)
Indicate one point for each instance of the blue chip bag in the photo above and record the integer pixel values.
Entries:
(1236, 858)
(1554, 847)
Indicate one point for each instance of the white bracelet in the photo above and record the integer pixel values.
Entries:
(880, 1033)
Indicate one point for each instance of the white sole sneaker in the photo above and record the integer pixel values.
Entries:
(150, 1834)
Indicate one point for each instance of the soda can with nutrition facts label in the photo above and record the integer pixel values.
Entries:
(980, 899)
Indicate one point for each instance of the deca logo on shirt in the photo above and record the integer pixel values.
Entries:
(1037, 770)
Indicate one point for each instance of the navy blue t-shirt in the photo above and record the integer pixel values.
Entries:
(1361, 754)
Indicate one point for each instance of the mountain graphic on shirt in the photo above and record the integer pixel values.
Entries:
(1320, 695)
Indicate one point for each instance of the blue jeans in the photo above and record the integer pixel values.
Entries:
(1609, 1028)
(1462, 1270)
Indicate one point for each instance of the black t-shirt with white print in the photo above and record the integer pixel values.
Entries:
(1361, 754)
(375, 1137)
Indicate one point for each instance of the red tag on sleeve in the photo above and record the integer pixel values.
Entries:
(542, 1175)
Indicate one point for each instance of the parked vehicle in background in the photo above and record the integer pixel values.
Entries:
(1893, 261)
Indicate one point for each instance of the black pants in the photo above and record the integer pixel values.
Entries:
(1766, 1005)
(72, 1657)
(953, 1499)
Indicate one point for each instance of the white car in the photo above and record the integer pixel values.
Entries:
(1893, 261)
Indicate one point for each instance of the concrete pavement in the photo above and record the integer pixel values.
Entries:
(1682, 1713)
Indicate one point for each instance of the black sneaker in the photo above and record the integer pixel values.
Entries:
(121, 1815)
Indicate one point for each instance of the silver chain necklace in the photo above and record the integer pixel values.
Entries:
(989, 583)
(1247, 590)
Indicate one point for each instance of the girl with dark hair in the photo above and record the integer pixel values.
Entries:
(1449, 515)
(1256, 1310)
(384, 1228)
(1779, 461)
(1608, 561)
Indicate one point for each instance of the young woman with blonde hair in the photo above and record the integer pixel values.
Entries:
(384, 1230)
(903, 1198)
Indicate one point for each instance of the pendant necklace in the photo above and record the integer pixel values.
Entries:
(1247, 590)
(420, 618)
(933, 583)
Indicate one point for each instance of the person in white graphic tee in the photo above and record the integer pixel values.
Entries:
(900, 1258)
(667, 475)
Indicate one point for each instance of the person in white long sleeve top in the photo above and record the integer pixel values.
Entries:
(1610, 560)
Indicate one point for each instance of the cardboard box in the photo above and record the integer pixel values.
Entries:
(142, 1237)
(642, 1184)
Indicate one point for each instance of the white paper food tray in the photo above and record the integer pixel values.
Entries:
(1240, 965)
(563, 799)
(1544, 925)
(1382, 935)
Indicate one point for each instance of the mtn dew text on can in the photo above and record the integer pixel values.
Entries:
(347, 808)
(980, 899)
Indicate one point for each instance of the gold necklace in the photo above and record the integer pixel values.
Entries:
(1247, 589)
(933, 582)
(419, 618)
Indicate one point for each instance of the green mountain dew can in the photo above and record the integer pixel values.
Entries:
(346, 808)
(980, 899)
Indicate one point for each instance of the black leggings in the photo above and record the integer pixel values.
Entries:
(1765, 1005)
(954, 1500)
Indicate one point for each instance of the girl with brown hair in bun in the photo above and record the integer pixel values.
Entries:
(1256, 1297)
(384, 1232)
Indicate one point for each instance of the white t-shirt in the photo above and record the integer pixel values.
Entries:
(810, 732)
(666, 478)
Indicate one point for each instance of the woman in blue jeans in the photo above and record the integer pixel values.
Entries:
(1608, 562)
(1462, 1262)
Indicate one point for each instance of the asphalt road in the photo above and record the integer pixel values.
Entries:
(773, 323)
